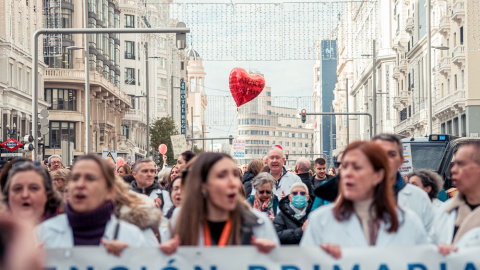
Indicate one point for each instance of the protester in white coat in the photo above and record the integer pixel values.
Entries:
(365, 213)
(408, 196)
(457, 222)
(213, 212)
(89, 214)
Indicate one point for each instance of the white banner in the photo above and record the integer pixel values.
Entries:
(248, 258)
(407, 166)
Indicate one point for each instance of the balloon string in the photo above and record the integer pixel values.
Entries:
(233, 121)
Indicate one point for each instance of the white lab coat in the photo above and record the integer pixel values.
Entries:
(323, 228)
(266, 230)
(444, 227)
(417, 200)
(57, 233)
(167, 201)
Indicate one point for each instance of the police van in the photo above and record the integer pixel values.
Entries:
(434, 152)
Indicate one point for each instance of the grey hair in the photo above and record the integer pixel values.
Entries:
(53, 198)
(263, 178)
(429, 179)
(138, 162)
(300, 184)
(391, 138)
(303, 165)
(54, 156)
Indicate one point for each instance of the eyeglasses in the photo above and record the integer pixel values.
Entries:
(55, 162)
(299, 193)
(264, 191)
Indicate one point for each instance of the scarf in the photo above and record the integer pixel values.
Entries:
(299, 213)
(88, 228)
(266, 206)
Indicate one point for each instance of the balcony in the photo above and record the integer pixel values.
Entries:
(403, 66)
(458, 11)
(458, 55)
(444, 27)
(410, 25)
(451, 103)
(135, 116)
(396, 73)
(444, 66)
(419, 119)
(405, 97)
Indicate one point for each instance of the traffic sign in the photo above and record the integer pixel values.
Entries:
(11, 144)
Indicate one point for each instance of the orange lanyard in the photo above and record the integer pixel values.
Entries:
(223, 237)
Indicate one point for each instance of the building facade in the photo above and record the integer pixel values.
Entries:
(325, 78)
(360, 27)
(454, 52)
(18, 21)
(64, 83)
(261, 125)
(196, 97)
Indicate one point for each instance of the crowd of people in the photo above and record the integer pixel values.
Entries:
(207, 200)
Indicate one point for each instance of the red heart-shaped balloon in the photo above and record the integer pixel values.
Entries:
(244, 86)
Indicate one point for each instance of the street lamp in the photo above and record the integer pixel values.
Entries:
(429, 68)
(87, 93)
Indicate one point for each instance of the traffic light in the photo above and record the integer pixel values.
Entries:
(28, 146)
(156, 157)
(304, 115)
(230, 139)
(286, 156)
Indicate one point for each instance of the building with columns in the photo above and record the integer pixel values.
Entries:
(64, 82)
(196, 97)
(360, 27)
(455, 50)
(18, 21)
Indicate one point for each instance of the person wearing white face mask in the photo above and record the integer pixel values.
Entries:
(292, 217)
(365, 213)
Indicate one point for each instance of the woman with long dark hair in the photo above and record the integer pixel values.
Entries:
(365, 213)
(213, 213)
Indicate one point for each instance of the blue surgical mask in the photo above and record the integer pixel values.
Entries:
(299, 201)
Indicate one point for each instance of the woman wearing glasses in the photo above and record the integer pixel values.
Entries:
(264, 200)
(365, 213)
(291, 221)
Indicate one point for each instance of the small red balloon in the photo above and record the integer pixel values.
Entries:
(162, 148)
(120, 162)
(245, 87)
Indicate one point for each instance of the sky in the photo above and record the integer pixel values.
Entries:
(286, 78)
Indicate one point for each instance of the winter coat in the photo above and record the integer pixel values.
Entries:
(289, 229)
(154, 192)
(57, 233)
(305, 177)
(417, 200)
(247, 182)
(146, 217)
(444, 224)
(324, 228)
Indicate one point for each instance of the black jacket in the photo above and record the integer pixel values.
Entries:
(247, 182)
(288, 228)
(329, 190)
(147, 191)
(305, 177)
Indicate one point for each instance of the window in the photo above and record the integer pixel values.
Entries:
(20, 79)
(126, 131)
(161, 104)
(129, 50)
(12, 77)
(293, 144)
(139, 77)
(269, 103)
(269, 94)
(130, 76)
(60, 131)
(129, 21)
(61, 99)
(461, 35)
(133, 102)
